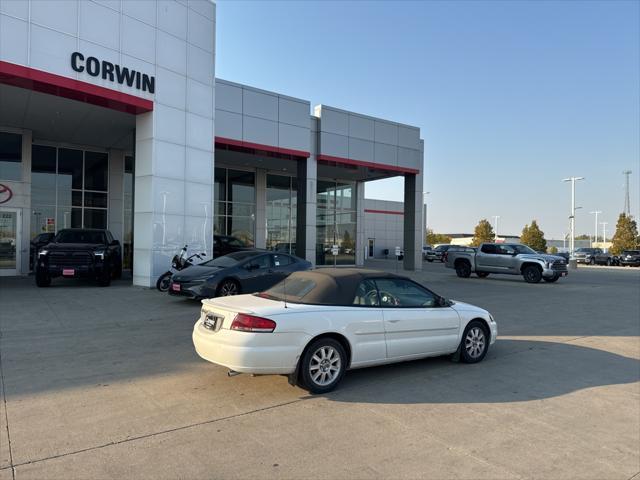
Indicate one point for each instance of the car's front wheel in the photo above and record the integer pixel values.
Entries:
(482, 274)
(532, 274)
(42, 279)
(323, 365)
(475, 342)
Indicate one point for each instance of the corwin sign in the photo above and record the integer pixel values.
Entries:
(113, 72)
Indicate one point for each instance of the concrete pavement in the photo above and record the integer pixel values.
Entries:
(104, 383)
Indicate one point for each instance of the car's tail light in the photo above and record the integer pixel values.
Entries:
(250, 323)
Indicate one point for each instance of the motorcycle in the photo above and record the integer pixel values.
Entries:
(178, 263)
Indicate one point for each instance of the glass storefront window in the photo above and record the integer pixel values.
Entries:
(335, 222)
(68, 189)
(281, 213)
(235, 204)
(10, 156)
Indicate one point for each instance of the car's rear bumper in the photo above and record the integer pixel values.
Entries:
(246, 352)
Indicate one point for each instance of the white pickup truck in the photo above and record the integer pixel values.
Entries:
(510, 259)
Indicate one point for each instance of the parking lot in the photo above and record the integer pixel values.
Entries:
(104, 383)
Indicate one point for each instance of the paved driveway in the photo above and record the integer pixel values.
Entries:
(104, 383)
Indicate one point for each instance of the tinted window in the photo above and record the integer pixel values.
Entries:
(367, 294)
(263, 261)
(505, 250)
(80, 236)
(96, 166)
(282, 260)
(523, 249)
(396, 292)
(10, 156)
(229, 260)
(488, 248)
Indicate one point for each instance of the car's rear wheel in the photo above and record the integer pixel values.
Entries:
(164, 281)
(532, 274)
(482, 274)
(228, 288)
(551, 279)
(463, 269)
(323, 365)
(475, 342)
(42, 279)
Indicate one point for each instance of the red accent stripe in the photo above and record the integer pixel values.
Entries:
(39, 81)
(362, 163)
(388, 212)
(259, 146)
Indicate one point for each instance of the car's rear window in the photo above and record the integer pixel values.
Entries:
(80, 236)
(292, 290)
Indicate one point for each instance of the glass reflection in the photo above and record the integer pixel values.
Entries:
(335, 222)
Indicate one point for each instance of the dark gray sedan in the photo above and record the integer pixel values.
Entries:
(239, 272)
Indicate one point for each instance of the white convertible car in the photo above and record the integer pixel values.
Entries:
(317, 324)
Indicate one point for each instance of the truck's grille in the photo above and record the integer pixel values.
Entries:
(559, 266)
(71, 258)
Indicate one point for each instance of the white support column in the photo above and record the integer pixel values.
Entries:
(261, 211)
(360, 231)
(116, 193)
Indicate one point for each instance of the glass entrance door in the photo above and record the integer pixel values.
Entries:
(9, 241)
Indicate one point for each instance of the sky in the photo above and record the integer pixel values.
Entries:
(510, 97)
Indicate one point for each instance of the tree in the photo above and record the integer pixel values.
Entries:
(533, 237)
(584, 236)
(482, 233)
(436, 238)
(553, 250)
(626, 236)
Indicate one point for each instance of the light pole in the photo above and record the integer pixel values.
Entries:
(424, 220)
(573, 181)
(604, 231)
(495, 230)
(595, 233)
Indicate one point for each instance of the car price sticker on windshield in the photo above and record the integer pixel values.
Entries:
(334, 250)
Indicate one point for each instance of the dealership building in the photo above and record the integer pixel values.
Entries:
(111, 117)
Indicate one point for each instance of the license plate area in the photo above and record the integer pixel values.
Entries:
(68, 272)
(213, 322)
(175, 287)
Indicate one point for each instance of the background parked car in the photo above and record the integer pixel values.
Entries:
(630, 258)
(247, 271)
(593, 256)
(438, 253)
(426, 249)
(36, 244)
(80, 252)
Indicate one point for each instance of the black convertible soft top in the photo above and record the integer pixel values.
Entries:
(326, 286)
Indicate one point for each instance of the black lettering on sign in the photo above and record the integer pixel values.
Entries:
(113, 72)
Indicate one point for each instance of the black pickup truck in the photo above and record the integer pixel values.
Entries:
(84, 253)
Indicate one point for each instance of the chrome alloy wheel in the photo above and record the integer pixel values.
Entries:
(474, 342)
(325, 365)
(228, 289)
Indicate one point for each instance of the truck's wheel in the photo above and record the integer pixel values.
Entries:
(42, 279)
(551, 279)
(463, 269)
(532, 274)
(482, 274)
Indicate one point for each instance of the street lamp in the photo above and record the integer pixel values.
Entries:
(604, 231)
(595, 233)
(495, 230)
(573, 181)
